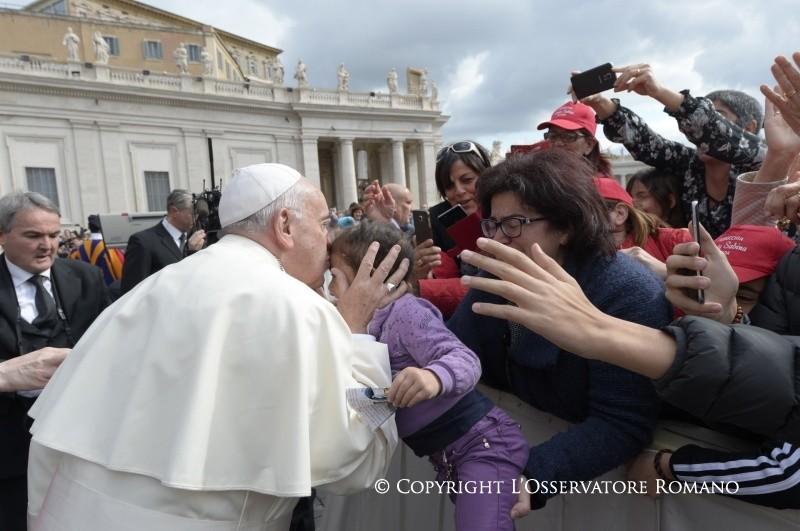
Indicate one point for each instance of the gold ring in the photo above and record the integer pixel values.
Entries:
(784, 224)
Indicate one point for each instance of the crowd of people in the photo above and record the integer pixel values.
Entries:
(211, 394)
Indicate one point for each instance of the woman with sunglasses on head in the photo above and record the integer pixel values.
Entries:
(549, 198)
(437, 266)
(572, 127)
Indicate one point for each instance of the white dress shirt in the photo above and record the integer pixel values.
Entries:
(174, 232)
(26, 291)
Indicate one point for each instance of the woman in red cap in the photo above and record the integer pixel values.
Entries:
(572, 127)
(639, 234)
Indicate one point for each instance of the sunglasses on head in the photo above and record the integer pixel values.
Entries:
(462, 147)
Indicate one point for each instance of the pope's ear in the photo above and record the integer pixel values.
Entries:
(282, 227)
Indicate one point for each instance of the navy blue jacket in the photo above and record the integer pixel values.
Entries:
(614, 411)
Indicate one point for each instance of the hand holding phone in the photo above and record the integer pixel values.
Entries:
(422, 225)
(700, 295)
(594, 81)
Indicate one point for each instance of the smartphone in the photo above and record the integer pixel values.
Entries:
(453, 215)
(593, 81)
(701, 296)
(422, 225)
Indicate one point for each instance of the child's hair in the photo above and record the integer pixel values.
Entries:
(640, 224)
(353, 242)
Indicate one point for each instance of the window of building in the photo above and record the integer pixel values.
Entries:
(43, 181)
(113, 45)
(157, 185)
(194, 52)
(153, 50)
(56, 8)
(220, 64)
(228, 73)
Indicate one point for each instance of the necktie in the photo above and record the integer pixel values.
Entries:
(182, 241)
(45, 304)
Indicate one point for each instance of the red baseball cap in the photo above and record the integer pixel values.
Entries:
(753, 251)
(573, 116)
(611, 189)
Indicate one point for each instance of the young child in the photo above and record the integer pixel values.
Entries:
(440, 413)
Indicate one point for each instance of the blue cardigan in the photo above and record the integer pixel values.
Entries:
(613, 410)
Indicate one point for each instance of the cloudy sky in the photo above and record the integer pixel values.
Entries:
(503, 66)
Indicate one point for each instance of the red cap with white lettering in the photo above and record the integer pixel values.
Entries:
(753, 251)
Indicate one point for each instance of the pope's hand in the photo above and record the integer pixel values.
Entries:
(371, 289)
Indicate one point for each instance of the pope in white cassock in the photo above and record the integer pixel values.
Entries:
(212, 396)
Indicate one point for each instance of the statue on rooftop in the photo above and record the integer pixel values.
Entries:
(101, 49)
(391, 81)
(71, 41)
(344, 78)
(301, 75)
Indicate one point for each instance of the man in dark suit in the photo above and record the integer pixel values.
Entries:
(163, 244)
(46, 304)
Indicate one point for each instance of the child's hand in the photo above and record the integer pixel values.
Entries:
(412, 385)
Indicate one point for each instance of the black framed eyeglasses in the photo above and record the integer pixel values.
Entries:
(510, 226)
(461, 147)
(568, 137)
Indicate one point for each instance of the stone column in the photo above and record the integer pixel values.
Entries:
(385, 158)
(427, 173)
(311, 159)
(413, 175)
(398, 163)
(362, 165)
(347, 173)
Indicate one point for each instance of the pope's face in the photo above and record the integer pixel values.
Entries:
(308, 258)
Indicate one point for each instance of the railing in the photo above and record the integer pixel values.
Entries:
(96, 73)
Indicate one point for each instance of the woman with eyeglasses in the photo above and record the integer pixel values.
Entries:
(549, 198)
(437, 266)
(572, 127)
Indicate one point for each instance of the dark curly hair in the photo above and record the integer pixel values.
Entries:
(558, 185)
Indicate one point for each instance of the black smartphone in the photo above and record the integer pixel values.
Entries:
(701, 296)
(422, 225)
(593, 81)
(452, 216)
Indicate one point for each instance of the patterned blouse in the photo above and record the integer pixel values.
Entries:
(705, 128)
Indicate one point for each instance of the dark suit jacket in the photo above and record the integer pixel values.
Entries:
(82, 294)
(148, 251)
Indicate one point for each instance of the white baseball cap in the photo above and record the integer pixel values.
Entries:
(252, 188)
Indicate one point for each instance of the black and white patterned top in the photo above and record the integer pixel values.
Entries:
(706, 129)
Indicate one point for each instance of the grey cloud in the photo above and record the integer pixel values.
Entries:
(533, 45)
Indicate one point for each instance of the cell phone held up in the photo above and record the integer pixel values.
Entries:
(698, 295)
(452, 216)
(422, 225)
(594, 81)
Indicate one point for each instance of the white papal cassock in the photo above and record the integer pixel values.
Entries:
(208, 398)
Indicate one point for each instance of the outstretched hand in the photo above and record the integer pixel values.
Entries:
(785, 97)
(379, 205)
(546, 299)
